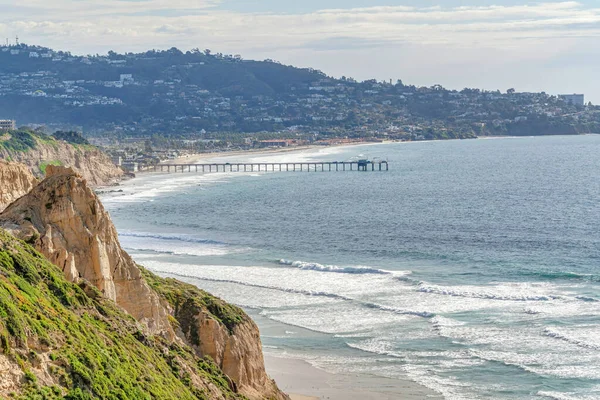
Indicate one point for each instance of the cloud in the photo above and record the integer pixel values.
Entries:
(200, 20)
(65, 10)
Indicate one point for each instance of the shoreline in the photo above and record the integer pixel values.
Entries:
(194, 157)
(264, 152)
(296, 376)
(303, 381)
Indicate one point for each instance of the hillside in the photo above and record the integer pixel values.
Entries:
(37, 150)
(62, 340)
(213, 349)
(175, 93)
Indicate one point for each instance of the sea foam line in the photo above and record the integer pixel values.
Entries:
(565, 338)
(337, 269)
(455, 292)
(179, 238)
(395, 310)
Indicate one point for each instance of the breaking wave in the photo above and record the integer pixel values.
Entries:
(180, 238)
(395, 310)
(569, 339)
(481, 294)
(334, 268)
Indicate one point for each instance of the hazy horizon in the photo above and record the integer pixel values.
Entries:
(547, 46)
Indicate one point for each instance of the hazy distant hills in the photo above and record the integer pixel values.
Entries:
(171, 92)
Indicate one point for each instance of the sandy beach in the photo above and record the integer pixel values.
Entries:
(305, 382)
(198, 157)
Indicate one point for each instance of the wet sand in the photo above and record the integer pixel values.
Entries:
(297, 376)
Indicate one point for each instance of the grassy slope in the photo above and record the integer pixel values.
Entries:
(96, 350)
(22, 140)
(189, 300)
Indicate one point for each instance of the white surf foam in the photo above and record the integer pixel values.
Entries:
(334, 268)
(507, 291)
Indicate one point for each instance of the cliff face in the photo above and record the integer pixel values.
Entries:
(88, 161)
(64, 220)
(221, 331)
(64, 340)
(15, 181)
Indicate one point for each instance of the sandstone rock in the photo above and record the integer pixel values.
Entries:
(239, 354)
(15, 181)
(222, 332)
(64, 220)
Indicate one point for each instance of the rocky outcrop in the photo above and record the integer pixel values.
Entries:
(222, 332)
(64, 220)
(88, 161)
(64, 340)
(15, 181)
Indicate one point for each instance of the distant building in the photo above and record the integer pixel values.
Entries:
(575, 99)
(130, 166)
(117, 160)
(276, 143)
(7, 125)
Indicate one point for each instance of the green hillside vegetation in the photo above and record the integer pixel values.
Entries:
(188, 301)
(71, 137)
(25, 139)
(92, 347)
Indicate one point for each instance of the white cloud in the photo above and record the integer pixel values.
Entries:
(97, 21)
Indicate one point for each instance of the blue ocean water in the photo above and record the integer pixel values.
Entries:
(471, 267)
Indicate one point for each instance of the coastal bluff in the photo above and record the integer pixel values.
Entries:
(15, 181)
(64, 220)
(38, 151)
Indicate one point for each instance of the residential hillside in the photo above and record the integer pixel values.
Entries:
(81, 319)
(37, 150)
(175, 93)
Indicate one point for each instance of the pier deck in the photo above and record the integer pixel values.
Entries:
(334, 166)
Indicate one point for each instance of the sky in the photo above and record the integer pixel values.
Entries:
(551, 46)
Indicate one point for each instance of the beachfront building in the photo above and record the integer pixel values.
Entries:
(277, 143)
(8, 125)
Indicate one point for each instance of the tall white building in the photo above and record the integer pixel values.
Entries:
(7, 125)
(576, 99)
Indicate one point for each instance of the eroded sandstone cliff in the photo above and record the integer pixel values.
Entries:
(64, 340)
(63, 219)
(37, 151)
(15, 181)
(221, 331)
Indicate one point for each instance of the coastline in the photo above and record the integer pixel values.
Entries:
(302, 381)
(195, 157)
(318, 377)
(296, 376)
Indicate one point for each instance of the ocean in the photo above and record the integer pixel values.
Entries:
(471, 267)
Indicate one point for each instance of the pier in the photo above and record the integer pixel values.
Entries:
(333, 166)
